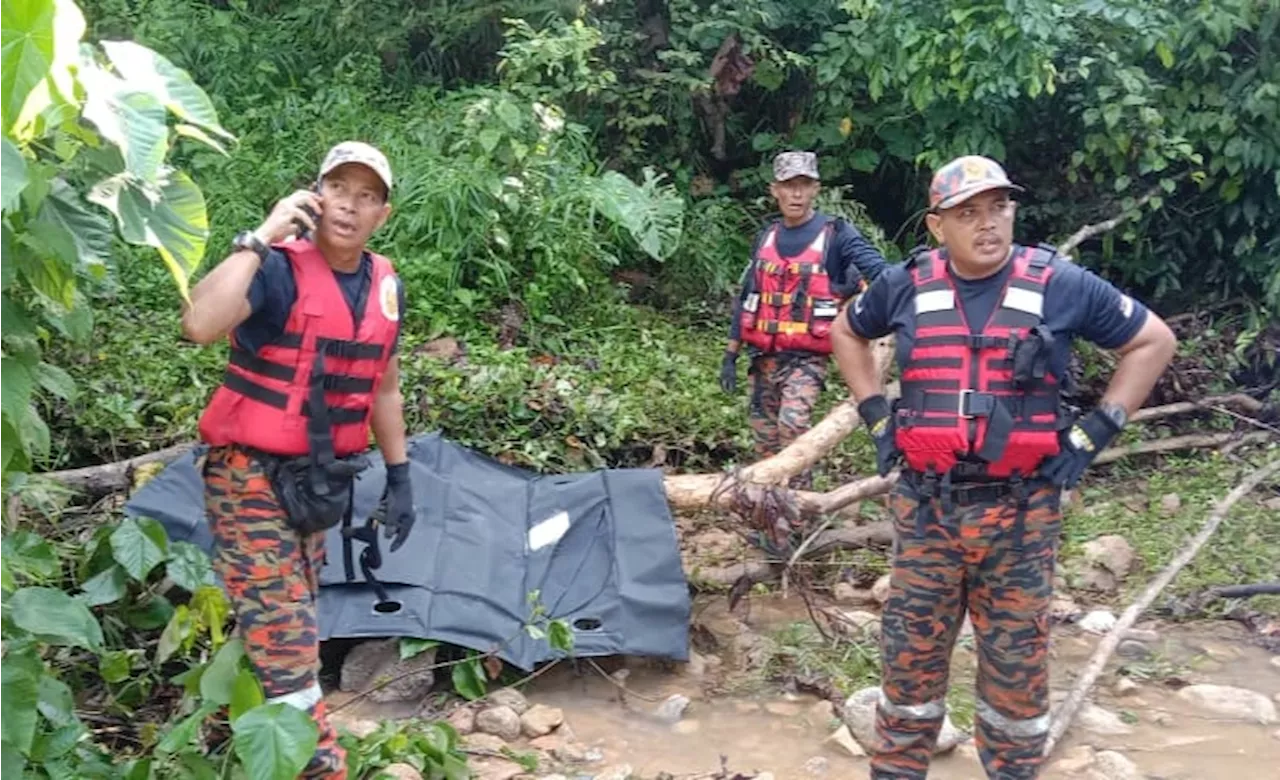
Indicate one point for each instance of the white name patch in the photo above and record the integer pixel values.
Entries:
(1024, 300)
(935, 300)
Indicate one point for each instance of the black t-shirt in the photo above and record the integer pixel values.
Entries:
(1077, 303)
(274, 291)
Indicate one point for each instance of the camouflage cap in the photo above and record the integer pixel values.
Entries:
(359, 153)
(964, 177)
(790, 165)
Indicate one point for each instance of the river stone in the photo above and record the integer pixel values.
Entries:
(366, 660)
(1111, 552)
(617, 772)
(1110, 765)
(500, 722)
(1101, 721)
(409, 679)
(1099, 621)
(857, 621)
(540, 720)
(355, 726)
(1133, 650)
(509, 697)
(1077, 759)
(818, 765)
(1124, 686)
(463, 720)
(1230, 702)
(484, 742)
(494, 768)
(880, 590)
(400, 771)
(672, 709)
(844, 593)
(860, 717)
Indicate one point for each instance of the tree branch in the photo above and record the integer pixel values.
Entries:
(1089, 231)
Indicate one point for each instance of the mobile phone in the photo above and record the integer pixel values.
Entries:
(303, 230)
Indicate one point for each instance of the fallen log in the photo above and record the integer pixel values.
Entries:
(1192, 441)
(111, 477)
(1067, 712)
(1244, 591)
(1239, 400)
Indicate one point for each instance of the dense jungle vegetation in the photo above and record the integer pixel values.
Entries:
(578, 185)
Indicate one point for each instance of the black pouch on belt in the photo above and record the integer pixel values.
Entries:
(1030, 357)
(316, 490)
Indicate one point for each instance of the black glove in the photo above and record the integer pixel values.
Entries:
(1081, 443)
(729, 372)
(398, 519)
(878, 415)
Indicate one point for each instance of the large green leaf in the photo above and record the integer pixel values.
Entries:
(27, 553)
(13, 175)
(246, 693)
(184, 732)
(19, 381)
(468, 679)
(12, 764)
(25, 53)
(34, 432)
(145, 69)
(176, 224)
(56, 701)
(55, 617)
(19, 694)
(218, 681)
(55, 380)
(652, 213)
(130, 118)
(139, 544)
(189, 567)
(47, 258)
(90, 232)
(274, 741)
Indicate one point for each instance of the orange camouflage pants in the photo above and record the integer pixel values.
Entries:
(271, 574)
(969, 558)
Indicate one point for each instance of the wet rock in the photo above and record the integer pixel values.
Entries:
(843, 742)
(1099, 621)
(1064, 609)
(484, 742)
(822, 713)
(400, 771)
(1112, 552)
(818, 765)
(540, 720)
(1098, 580)
(1101, 721)
(672, 709)
(593, 756)
(357, 727)
(860, 717)
(365, 660)
(546, 743)
(572, 753)
(748, 650)
(1170, 503)
(617, 772)
(856, 621)
(1124, 687)
(1133, 650)
(408, 679)
(509, 697)
(1077, 759)
(463, 720)
(1145, 636)
(687, 727)
(500, 722)
(1110, 765)
(494, 768)
(1230, 702)
(783, 709)
(696, 666)
(844, 593)
(880, 590)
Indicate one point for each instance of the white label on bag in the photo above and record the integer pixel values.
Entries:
(549, 531)
(752, 302)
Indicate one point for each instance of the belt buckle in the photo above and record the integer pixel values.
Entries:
(962, 402)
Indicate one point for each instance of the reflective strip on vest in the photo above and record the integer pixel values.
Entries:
(930, 710)
(305, 699)
(1025, 728)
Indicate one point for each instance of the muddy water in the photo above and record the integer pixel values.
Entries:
(785, 734)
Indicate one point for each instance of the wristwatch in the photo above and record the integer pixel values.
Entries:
(245, 240)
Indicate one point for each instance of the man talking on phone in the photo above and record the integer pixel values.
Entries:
(313, 320)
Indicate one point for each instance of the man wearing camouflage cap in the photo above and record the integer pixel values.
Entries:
(803, 266)
(313, 321)
(983, 327)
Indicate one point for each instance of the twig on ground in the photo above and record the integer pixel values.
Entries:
(618, 685)
(1067, 712)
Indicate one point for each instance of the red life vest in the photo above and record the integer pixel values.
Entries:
(262, 402)
(793, 306)
(959, 399)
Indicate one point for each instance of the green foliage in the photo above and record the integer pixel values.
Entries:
(431, 748)
(82, 125)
